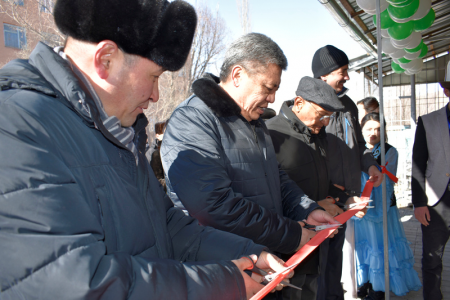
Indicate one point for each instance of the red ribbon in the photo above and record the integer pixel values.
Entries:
(304, 251)
(389, 174)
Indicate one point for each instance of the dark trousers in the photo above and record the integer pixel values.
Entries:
(330, 287)
(308, 283)
(434, 238)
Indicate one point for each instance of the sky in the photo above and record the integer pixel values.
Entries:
(299, 27)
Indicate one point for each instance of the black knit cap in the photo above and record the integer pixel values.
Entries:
(154, 29)
(327, 59)
(319, 92)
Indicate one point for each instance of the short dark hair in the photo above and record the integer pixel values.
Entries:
(369, 103)
(252, 51)
(372, 117)
(159, 127)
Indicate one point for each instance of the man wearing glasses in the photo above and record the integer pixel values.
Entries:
(299, 138)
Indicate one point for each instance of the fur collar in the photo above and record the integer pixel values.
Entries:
(215, 97)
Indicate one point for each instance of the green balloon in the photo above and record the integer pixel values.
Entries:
(404, 60)
(413, 50)
(400, 31)
(425, 22)
(424, 51)
(405, 11)
(396, 67)
(386, 20)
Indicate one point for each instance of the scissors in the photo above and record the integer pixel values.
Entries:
(269, 277)
(321, 227)
(358, 203)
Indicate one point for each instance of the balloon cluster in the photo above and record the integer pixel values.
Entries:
(402, 22)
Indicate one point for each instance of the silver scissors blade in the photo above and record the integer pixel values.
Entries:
(321, 227)
(357, 203)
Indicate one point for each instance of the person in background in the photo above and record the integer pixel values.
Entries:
(348, 157)
(81, 214)
(154, 156)
(367, 106)
(430, 188)
(369, 230)
(219, 159)
(299, 138)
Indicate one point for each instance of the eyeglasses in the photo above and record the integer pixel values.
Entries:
(323, 118)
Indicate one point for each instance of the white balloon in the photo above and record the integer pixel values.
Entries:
(384, 33)
(415, 65)
(412, 56)
(400, 20)
(411, 72)
(407, 72)
(396, 61)
(422, 11)
(418, 65)
(398, 54)
(414, 39)
(371, 5)
(401, 44)
(407, 66)
(386, 46)
(399, 3)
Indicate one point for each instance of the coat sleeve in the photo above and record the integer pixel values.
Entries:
(419, 166)
(194, 165)
(296, 204)
(53, 245)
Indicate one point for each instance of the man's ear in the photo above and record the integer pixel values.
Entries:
(324, 77)
(106, 54)
(298, 103)
(236, 75)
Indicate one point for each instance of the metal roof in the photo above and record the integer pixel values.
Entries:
(360, 27)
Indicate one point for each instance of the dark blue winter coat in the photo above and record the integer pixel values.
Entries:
(224, 171)
(78, 218)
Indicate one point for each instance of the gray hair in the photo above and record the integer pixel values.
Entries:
(252, 51)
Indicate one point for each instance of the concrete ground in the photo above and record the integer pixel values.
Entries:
(414, 235)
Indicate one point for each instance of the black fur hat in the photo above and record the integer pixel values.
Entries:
(154, 29)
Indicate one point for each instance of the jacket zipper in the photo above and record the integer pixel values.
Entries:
(257, 143)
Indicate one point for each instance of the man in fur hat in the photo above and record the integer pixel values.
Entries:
(430, 187)
(81, 214)
(219, 160)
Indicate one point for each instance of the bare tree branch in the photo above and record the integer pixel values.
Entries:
(208, 44)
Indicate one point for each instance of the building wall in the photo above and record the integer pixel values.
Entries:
(31, 13)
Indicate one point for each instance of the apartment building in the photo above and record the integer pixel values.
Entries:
(24, 24)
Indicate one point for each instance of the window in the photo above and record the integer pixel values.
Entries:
(15, 36)
(46, 6)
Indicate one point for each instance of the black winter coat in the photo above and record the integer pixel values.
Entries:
(223, 169)
(303, 156)
(349, 154)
